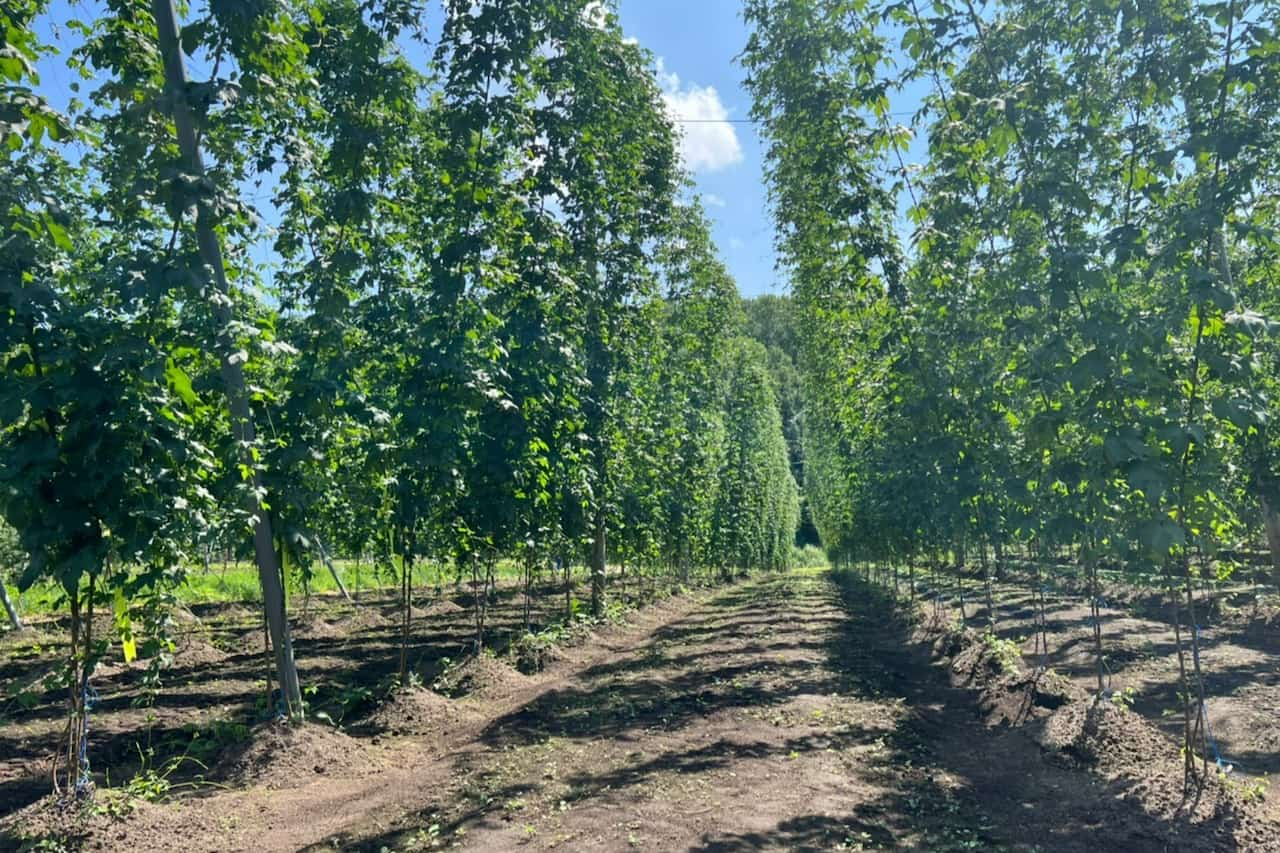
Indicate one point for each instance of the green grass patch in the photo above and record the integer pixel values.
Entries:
(239, 582)
(809, 557)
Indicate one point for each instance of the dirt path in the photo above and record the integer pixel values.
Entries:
(785, 713)
(780, 715)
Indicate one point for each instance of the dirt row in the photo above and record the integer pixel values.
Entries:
(793, 712)
(1239, 656)
(797, 714)
(280, 787)
(214, 689)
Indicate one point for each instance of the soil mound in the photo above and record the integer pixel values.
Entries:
(1145, 766)
(250, 642)
(530, 654)
(947, 642)
(1013, 700)
(54, 823)
(182, 615)
(435, 610)
(194, 649)
(1104, 735)
(973, 662)
(1008, 694)
(1141, 763)
(238, 613)
(1243, 724)
(444, 607)
(312, 627)
(418, 711)
(484, 677)
(284, 755)
(1265, 626)
(362, 618)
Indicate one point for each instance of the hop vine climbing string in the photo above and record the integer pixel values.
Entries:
(88, 701)
(1223, 764)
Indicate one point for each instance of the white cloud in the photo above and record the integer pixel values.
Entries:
(668, 80)
(595, 14)
(707, 141)
(735, 243)
(713, 200)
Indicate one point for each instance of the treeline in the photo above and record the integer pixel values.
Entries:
(490, 322)
(1073, 355)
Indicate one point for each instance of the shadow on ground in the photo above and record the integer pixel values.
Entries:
(917, 769)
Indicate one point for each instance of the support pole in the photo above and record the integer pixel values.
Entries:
(175, 74)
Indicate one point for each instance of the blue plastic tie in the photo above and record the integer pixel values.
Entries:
(89, 699)
(1224, 764)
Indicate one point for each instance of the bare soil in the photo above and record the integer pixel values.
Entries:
(1239, 656)
(280, 755)
(793, 712)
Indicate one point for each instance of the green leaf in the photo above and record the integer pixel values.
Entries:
(124, 626)
(58, 233)
(1161, 535)
(180, 382)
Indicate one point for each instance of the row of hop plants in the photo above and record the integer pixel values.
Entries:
(1071, 350)
(371, 283)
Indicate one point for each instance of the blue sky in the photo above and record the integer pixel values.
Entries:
(695, 42)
